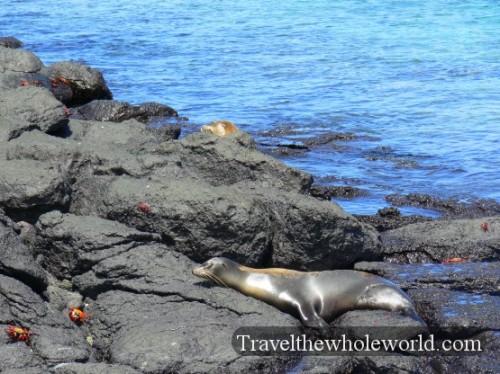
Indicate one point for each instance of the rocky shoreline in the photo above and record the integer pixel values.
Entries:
(100, 210)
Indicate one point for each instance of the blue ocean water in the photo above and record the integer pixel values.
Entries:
(419, 81)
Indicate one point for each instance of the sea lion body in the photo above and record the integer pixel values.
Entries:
(316, 298)
(220, 128)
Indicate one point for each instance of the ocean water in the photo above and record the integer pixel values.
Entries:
(417, 82)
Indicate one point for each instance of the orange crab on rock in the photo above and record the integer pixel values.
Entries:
(63, 80)
(455, 260)
(78, 316)
(143, 207)
(18, 333)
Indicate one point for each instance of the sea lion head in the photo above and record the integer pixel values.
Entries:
(220, 128)
(219, 270)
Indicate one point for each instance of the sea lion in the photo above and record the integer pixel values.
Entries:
(220, 128)
(316, 298)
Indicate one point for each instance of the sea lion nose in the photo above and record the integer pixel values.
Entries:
(196, 270)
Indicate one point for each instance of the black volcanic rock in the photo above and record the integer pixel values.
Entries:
(55, 340)
(109, 110)
(94, 368)
(390, 218)
(87, 84)
(153, 109)
(16, 259)
(10, 42)
(117, 111)
(472, 277)
(33, 108)
(457, 314)
(68, 245)
(444, 239)
(248, 210)
(18, 61)
(327, 192)
(448, 207)
(30, 188)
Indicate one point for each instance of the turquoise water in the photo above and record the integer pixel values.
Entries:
(419, 79)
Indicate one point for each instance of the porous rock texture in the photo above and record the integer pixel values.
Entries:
(34, 106)
(18, 60)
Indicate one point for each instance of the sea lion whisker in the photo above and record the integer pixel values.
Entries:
(221, 282)
(209, 277)
(206, 276)
(216, 280)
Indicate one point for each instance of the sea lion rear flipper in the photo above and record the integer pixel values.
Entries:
(310, 318)
(410, 312)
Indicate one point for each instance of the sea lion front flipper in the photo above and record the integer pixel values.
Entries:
(310, 318)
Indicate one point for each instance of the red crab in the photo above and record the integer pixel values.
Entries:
(63, 80)
(77, 315)
(455, 260)
(484, 226)
(143, 207)
(18, 333)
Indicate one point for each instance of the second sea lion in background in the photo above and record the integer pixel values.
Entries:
(220, 128)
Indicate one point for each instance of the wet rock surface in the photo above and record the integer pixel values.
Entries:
(108, 110)
(116, 111)
(153, 109)
(291, 141)
(470, 239)
(448, 207)
(112, 217)
(457, 314)
(327, 192)
(473, 277)
(390, 218)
